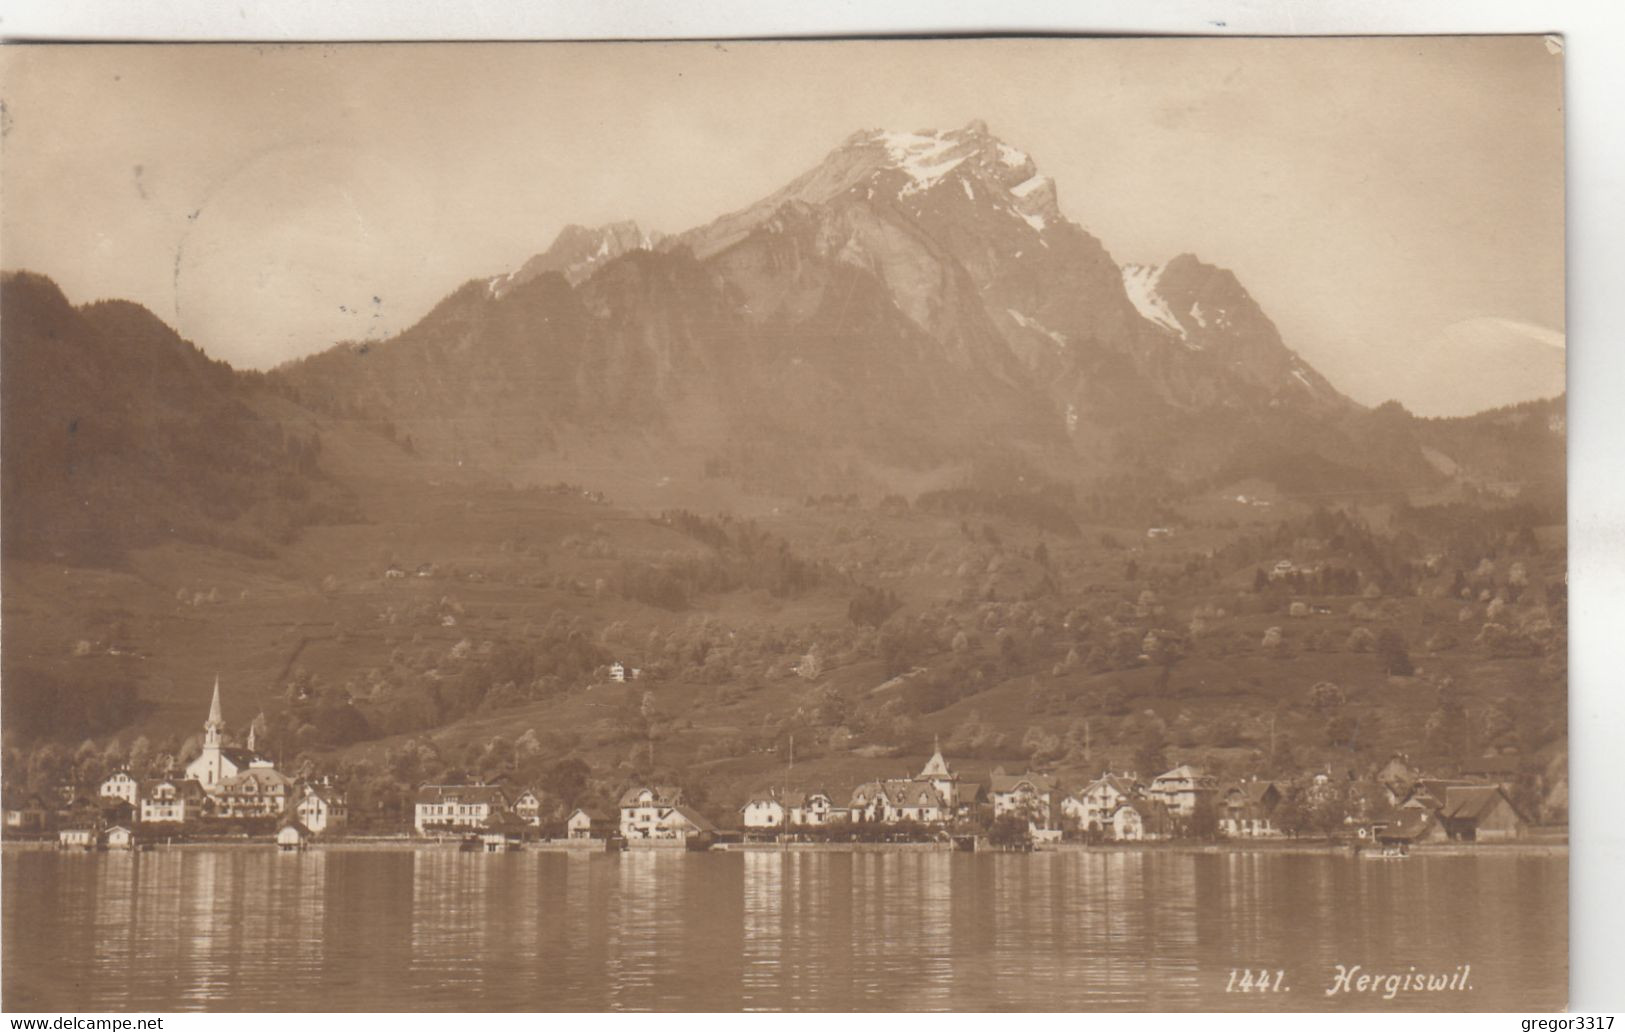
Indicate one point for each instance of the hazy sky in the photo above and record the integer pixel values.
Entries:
(1383, 199)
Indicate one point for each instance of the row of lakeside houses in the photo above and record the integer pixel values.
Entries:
(1120, 807)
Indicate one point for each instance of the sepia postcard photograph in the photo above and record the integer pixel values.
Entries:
(973, 524)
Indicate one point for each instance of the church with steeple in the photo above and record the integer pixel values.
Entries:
(220, 765)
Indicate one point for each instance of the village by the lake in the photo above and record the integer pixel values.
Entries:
(230, 795)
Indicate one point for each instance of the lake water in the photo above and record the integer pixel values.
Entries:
(251, 929)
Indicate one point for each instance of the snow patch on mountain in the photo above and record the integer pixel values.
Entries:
(920, 155)
(1011, 156)
(1140, 281)
(1026, 187)
(1026, 322)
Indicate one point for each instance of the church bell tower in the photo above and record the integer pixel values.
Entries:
(214, 730)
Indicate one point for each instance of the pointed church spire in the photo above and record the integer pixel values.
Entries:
(214, 707)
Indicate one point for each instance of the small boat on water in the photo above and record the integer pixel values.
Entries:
(1387, 853)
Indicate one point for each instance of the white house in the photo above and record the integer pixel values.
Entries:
(171, 801)
(321, 808)
(119, 837)
(1029, 796)
(259, 791)
(682, 824)
(762, 812)
(1183, 789)
(120, 785)
(528, 807)
(1092, 808)
(578, 825)
(457, 806)
(905, 799)
(810, 809)
(645, 807)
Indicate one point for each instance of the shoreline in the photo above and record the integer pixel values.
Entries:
(1275, 847)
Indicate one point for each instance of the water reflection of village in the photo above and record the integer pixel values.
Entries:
(771, 929)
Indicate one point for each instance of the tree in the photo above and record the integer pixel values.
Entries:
(1113, 702)
(1150, 758)
(1341, 731)
(566, 781)
(1203, 822)
(871, 606)
(1291, 816)
(1392, 654)
(1167, 651)
(1326, 695)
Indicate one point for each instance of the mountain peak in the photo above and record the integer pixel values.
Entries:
(578, 252)
(972, 161)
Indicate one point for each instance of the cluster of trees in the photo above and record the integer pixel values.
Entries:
(1049, 508)
(743, 555)
(39, 704)
(871, 606)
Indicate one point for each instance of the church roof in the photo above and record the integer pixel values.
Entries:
(214, 706)
(242, 759)
(261, 776)
(936, 766)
